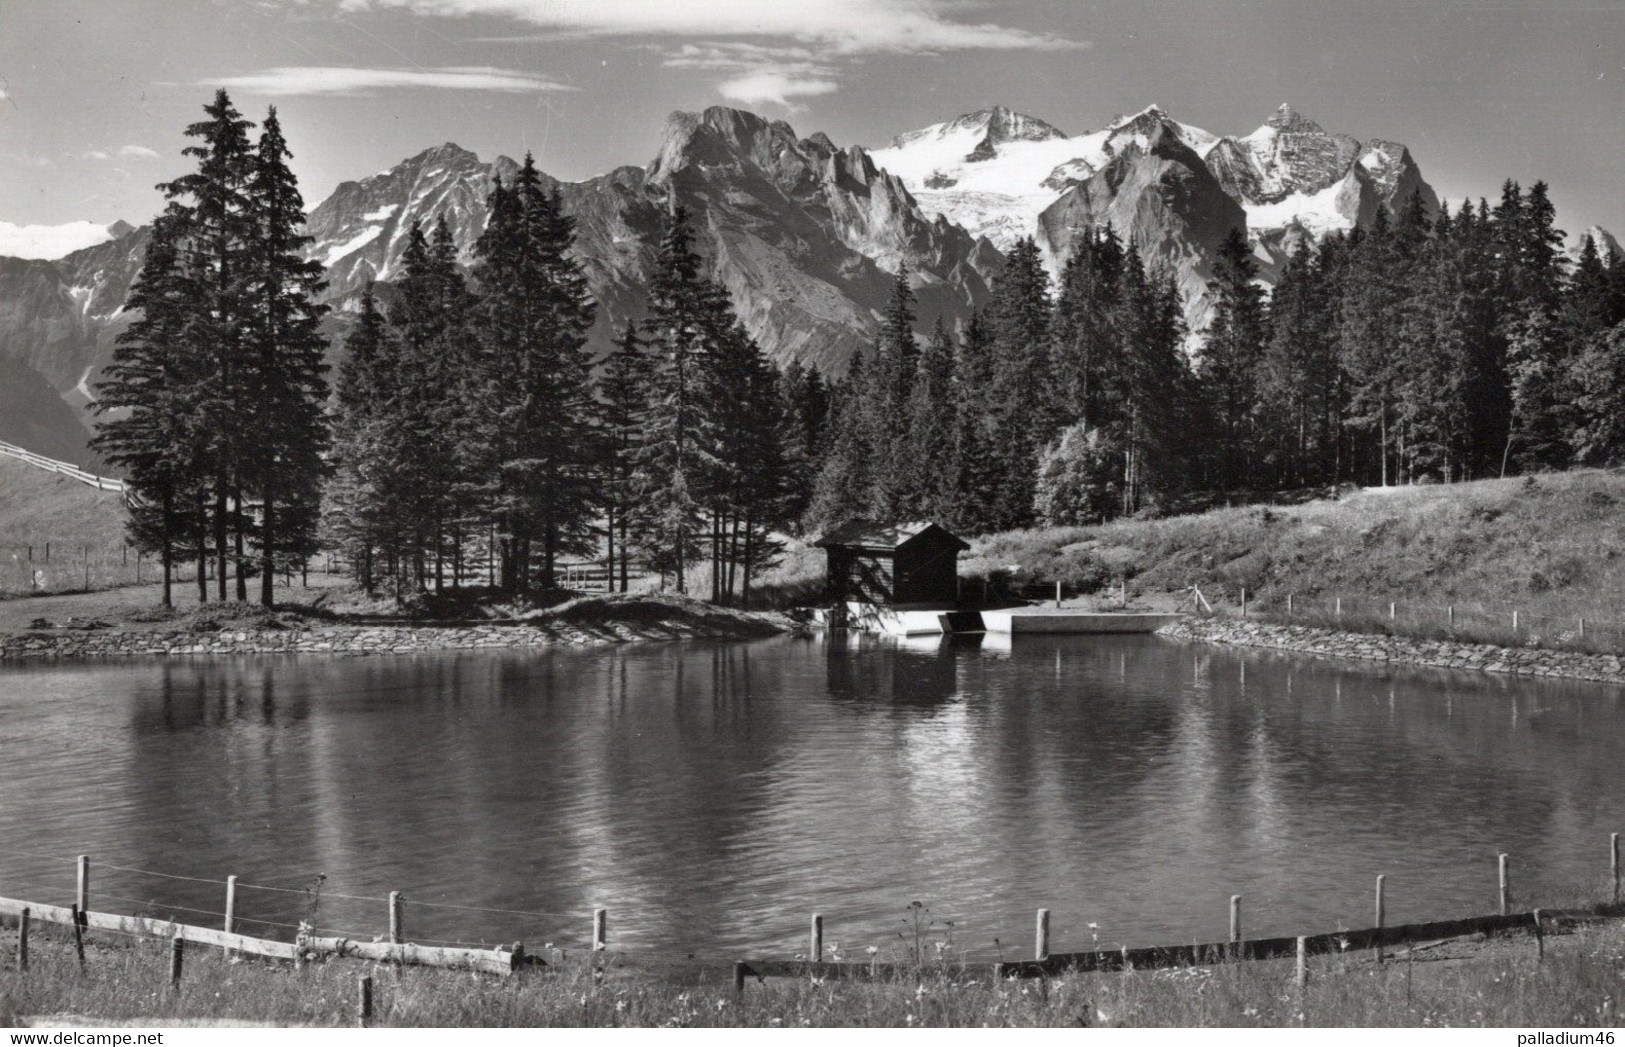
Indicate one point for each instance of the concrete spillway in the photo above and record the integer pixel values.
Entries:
(1065, 620)
(1009, 620)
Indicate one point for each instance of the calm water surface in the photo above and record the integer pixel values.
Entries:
(713, 795)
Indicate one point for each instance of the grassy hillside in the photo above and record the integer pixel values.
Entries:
(1551, 547)
(38, 507)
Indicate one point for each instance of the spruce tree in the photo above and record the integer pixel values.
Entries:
(678, 450)
(151, 384)
(1231, 356)
(535, 313)
(365, 394)
(931, 421)
(1021, 400)
(217, 226)
(623, 389)
(284, 463)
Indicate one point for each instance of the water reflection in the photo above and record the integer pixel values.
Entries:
(712, 795)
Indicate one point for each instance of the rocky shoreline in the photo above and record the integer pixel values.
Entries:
(370, 640)
(1442, 654)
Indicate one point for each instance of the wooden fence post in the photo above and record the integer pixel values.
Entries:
(231, 908)
(1244, 601)
(600, 930)
(1514, 619)
(22, 939)
(1041, 936)
(1582, 628)
(1540, 938)
(79, 935)
(366, 1001)
(739, 979)
(1339, 607)
(82, 895)
(1451, 612)
(1382, 911)
(815, 940)
(1613, 862)
(1235, 918)
(1506, 895)
(1289, 605)
(395, 922)
(1057, 595)
(1392, 609)
(1303, 962)
(177, 949)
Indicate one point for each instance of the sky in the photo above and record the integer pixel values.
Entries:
(94, 94)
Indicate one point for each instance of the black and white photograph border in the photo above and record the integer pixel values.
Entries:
(912, 514)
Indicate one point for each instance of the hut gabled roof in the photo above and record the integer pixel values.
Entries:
(869, 534)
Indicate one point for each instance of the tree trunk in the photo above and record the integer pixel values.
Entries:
(267, 544)
(239, 522)
(744, 589)
(221, 554)
(609, 549)
(624, 577)
(202, 547)
(168, 549)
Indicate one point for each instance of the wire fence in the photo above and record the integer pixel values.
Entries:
(1487, 622)
(283, 913)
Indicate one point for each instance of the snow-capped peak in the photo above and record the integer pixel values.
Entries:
(1286, 118)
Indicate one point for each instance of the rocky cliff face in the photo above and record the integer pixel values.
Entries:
(1287, 183)
(806, 235)
(1164, 200)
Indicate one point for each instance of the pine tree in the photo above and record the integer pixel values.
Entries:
(886, 396)
(535, 313)
(1087, 349)
(979, 472)
(931, 420)
(678, 449)
(806, 399)
(1021, 400)
(216, 225)
(365, 393)
(623, 390)
(842, 490)
(1231, 357)
(151, 382)
(284, 463)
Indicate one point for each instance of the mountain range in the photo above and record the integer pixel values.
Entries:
(805, 234)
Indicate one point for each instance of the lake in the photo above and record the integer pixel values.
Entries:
(713, 795)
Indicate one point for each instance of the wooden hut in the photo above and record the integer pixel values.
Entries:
(900, 565)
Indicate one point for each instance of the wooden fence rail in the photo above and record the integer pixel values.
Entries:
(490, 961)
(1157, 957)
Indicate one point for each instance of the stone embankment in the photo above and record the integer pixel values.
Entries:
(364, 640)
(1443, 654)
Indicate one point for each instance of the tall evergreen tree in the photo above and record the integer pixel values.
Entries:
(624, 390)
(284, 462)
(1021, 401)
(151, 384)
(535, 314)
(365, 393)
(679, 438)
(931, 420)
(1231, 358)
(217, 225)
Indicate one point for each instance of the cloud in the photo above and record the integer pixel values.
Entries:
(49, 241)
(282, 81)
(775, 87)
(845, 26)
(137, 152)
(807, 38)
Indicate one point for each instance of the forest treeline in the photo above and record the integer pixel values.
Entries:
(1424, 349)
(468, 418)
